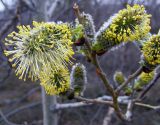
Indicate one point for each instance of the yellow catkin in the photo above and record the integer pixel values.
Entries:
(129, 24)
(55, 82)
(151, 50)
(35, 48)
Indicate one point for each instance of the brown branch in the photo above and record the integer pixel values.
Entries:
(102, 75)
(94, 101)
(130, 78)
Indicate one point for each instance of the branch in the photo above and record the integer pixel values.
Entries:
(129, 110)
(100, 72)
(94, 101)
(86, 102)
(130, 78)
(152, 83)
(147, 106)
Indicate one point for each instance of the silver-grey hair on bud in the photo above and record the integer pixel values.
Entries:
(78, 79)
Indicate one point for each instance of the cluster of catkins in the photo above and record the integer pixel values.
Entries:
(131, 24)
(44, 51)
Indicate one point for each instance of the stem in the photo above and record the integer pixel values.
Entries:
(98, 68)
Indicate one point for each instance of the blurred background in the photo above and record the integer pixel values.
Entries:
(20, 101)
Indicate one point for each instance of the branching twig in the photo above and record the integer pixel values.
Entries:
(130, 78)
(100, 72)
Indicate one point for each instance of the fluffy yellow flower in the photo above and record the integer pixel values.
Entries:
(151, 50)
(55, 82)
(33, 48)
(130, 24)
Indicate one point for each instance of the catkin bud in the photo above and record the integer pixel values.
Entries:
(78, 79)
(88, 25)
(119, 77)
(143, 80)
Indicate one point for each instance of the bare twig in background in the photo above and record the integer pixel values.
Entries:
(98, 112)
(4, 4)
(129, 110)
(13, 112)
(108, 117)
(18, 100)
(6, 120)
(148, 106)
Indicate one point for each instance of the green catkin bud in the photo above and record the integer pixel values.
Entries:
(119, 77)
(77, 32)
(128, 90)
(143, 80)
(88, 24)
(78, 79)
(129, 24)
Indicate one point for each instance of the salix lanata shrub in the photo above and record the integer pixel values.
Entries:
(44, 52)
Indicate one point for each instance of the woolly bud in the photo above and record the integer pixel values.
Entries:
(78, 79)
(129, 24)
(143, 80)
(88, 25)
(119, 77)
